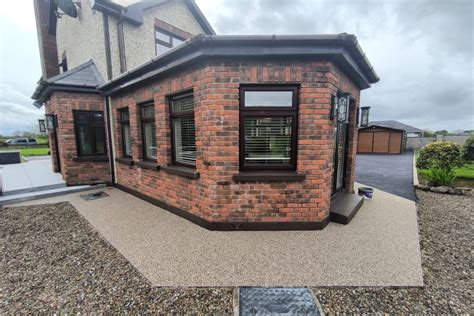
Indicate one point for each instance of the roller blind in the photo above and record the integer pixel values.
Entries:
(268, 140)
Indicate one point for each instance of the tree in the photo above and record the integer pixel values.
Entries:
(442, 132)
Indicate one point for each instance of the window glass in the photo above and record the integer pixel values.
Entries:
(185, 140)
(99, 140)
(268, 140)
(148, 112)
(85, 140)
(160, 49)
(177, 41)
(149, 131)
(184, 130)
(269, 98)
(127, 140)
(162, 36)
(183, 104)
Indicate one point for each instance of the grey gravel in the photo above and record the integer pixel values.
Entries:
(53, 261)
(445, 241)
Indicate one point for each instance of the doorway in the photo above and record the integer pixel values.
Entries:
(340, 148)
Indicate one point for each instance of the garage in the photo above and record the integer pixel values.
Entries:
(381, 140)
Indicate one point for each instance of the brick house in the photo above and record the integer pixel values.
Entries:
(230, 132)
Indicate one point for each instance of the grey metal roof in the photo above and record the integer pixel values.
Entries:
(84, 77)
(395, 125)
(343, 49)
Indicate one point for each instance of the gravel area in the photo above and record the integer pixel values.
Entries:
(53, 261)
(445, 240)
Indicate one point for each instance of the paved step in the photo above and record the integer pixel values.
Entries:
(344, 207)
(34, 189)
(22, 197)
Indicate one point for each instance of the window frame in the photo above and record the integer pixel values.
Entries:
(268, 111)
(122, 123)
(142, 128)
(176, 115)
(91, 125)
(168, 44)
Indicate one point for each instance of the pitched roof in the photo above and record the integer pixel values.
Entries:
(395, 125)
(85, 76)
(132, 11)
(342, 48)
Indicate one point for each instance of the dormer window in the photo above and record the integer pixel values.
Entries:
(165, 41)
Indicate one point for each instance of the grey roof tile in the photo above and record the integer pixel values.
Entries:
(85, 75)
(396, 125)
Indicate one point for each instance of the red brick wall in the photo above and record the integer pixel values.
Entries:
(47, 42)
(215, 196)
(62, 104)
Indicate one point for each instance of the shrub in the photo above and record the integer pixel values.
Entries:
(440, 155)
(468, 149)
(3, 143)
(438, 177)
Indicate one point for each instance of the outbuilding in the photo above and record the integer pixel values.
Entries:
(381, 140)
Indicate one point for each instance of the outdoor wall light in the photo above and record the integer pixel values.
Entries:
(42, 126)
(50, 122)
(343, 107)
(364, 116)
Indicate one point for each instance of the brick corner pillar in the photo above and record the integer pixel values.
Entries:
(46, 41)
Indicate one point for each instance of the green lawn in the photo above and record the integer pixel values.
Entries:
(28, 151)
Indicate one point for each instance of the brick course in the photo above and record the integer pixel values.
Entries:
(215, 196)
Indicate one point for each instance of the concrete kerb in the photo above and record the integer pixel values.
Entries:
(415, 171)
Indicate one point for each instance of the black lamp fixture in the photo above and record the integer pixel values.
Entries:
(364, 116)
(42, 126)
(343, 100)
(50, 124)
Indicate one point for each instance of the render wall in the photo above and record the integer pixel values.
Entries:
(215, 196)
(74, 172)
(82, 38)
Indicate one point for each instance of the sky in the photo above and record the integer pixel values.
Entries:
(421, 49)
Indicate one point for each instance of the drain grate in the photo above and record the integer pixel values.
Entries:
(94, 196)
(274, 301)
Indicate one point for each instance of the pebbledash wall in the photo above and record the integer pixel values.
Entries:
(214, 196)
(75, 171)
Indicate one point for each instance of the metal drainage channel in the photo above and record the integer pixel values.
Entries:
(94, 196)
(277, 301)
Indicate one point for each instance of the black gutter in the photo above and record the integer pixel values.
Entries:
(342, 48)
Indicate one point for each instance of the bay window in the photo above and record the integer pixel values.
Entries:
(268, 127)
(183, 130)
(148, 131)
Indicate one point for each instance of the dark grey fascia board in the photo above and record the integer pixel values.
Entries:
(50, 88)
(339, 55)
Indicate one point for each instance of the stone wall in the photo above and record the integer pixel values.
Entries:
(417, 143)
(215, 196)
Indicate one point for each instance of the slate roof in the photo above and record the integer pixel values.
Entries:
(85, 76)
(395, 125)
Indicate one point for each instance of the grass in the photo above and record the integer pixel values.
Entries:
(26, 152)
(464, 175)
